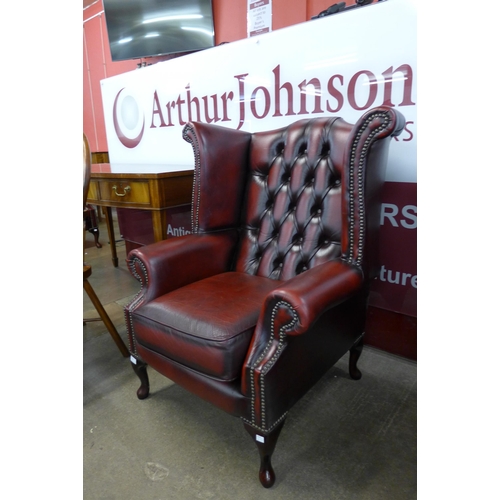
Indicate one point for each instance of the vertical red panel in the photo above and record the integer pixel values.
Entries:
(88, 112)
(93, 110)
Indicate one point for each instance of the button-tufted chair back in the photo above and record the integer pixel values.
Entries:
(294, 199)
(305, 194)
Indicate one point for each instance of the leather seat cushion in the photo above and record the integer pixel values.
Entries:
(207, 325)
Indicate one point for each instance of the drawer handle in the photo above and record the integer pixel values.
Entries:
(126, 189)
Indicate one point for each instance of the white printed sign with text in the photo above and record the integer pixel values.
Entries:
(259, 17)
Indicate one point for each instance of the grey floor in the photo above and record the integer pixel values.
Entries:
(352, 440)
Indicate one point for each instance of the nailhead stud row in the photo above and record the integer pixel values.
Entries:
(360, 183)
(269, 365)
(136, 301)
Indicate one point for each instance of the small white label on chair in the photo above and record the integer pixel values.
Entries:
(133, 360)
(258, 438)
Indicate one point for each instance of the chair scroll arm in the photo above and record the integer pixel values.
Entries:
(169, 264)
(291, 310)
(309, 294)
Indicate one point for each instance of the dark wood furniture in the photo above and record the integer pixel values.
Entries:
(155, 192)
(91, 225)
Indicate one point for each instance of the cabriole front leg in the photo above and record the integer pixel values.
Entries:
(265, 445)
(140, 369)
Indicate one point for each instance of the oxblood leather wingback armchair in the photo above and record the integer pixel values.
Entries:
(270, 290)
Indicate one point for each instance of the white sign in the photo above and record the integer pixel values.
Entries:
(259, 17)
(339, 65)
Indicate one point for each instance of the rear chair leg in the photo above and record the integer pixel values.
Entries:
(140, 369)
(354, 354)
(265, 445)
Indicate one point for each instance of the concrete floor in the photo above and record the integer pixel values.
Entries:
(345, 440)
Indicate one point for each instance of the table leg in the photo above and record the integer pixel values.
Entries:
(159, 218)
(111, 233)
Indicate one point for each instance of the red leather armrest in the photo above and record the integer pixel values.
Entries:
(172, 263)
(319, 288)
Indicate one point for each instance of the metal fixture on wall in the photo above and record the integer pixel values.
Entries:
(338, 7)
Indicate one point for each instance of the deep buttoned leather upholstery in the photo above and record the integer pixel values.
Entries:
(270, 290)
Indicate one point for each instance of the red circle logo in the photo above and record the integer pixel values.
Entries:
(129, 114)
